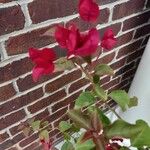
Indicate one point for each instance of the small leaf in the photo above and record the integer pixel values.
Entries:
(63, 64)
(36, 125)
(80, 119)
(133, 102)
(66, 136)
(64, 126)
(85, 99)
(44, 134)
(67, 146)
(100, 92)
(96, 79)
(103, 69)
(26, 131)
(121, 98)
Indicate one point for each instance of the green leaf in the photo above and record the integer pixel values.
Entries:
(133, 102)
(103, 69)
(85, 99)
(26, 131)
(138, 133)
(44, 134)
(64, 126)
(121, 98)
(96, 79)
(63, 64)
(80, 119)
(67, 146)
(36, 125)
(100, 92)
(87, 145)
(104, 119)
(66, 136)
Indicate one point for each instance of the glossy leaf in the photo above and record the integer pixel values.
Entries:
(36, 125)
(85, 99)
(138, 133)
(63, 64)
(121, 98)
(103, 69)
(100, 92)
(67, 146)
(80, 119)
(64, 126)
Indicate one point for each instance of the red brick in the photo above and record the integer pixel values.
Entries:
(125, 38)
(32, 146)
(12, 19)
(42, 10)
(118, 64)
(28, 140)
(6, 1)
(136, 21)
(13, 148)
(21, 43)
(27, 82)
(11, 119)
(83, 26)
(65, 102)
(3, 136)
(21, 101)
(7, 92)
(61, 82)
(104, 80)
(127, 8)
(15, 69)
(142, 31)
(77, 85)
(11, 142)
(102, 2)
(129, 74)
(129, 48)
(14, 130)
(47, 101)
(145, 41)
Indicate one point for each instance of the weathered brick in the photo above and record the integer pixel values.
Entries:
(21, 101)
(21, 43)
(12, 19)
(27, 82)
(6, 1)
(15, 69)
(42, 10)
(129, 48)
(142, 31)
(11, 119)
(83, 26)
(127, 8)
(14, 130)
(3, 136)
(118, 64)
(145, 41)
(47, 101)
(102, 2)
(77, 85)
(129, 74)
(125, 38)
(64, 80)
(136, 21)
(65, 102)
(7, 92)
(32, 146)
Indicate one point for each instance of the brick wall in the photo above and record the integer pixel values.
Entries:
(22, 22)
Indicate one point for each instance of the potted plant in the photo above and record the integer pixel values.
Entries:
(90, 128)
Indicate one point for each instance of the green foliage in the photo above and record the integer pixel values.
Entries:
(85, 99)
(64, 126)
(103, 69)
(96, 79)
(67, 146)
(133, 102)
(36, 125)
(44, 134)
(139, 133)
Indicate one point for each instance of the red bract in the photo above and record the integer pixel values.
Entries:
(44, 62)
(76, 43)
(88, 10)
(108, 40)
(46, 145)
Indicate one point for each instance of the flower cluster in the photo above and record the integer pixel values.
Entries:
(75, 42)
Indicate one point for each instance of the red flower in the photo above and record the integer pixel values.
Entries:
(44, 62)
(46, 145)
(88, 10)
(78, 44)
(108, 40)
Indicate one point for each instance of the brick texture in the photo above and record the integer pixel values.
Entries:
(24, 26)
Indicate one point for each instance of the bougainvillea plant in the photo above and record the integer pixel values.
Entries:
(90, 128)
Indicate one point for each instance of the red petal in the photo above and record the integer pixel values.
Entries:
(37, 73)
(61, 35)
(108, 34)
(88, 10)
